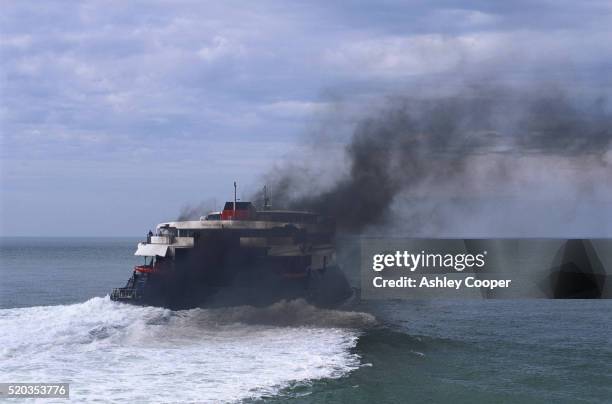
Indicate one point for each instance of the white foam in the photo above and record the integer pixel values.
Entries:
(114, 351)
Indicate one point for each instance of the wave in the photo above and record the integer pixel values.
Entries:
(285, 313)
(130, 353)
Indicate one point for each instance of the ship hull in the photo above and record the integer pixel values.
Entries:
(327, 289)
(221, 272)
(273, 256)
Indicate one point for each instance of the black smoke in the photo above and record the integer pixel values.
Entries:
(413, 146)
(195, 212)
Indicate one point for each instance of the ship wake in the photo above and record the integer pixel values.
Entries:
(295, 313)
(106, 349)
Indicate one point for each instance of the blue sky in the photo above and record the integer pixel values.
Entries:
(114, 115)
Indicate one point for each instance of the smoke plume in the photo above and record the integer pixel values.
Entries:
(457, 149)
(194, 212)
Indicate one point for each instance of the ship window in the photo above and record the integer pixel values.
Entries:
(168, 231)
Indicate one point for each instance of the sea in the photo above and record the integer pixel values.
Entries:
(57, 324)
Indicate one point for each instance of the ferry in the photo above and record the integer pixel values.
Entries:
(238, 256)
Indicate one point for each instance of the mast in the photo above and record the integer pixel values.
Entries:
(235, 186)
(266, 198)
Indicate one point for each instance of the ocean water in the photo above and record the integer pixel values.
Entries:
(57, 324)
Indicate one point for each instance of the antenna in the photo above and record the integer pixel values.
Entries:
(235, 187)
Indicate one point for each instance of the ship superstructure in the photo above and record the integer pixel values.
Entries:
(238, 256)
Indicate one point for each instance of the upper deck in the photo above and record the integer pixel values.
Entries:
(247, 224)
(271, 228)
(242, 215)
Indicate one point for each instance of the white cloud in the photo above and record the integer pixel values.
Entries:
(16, 41)
(220, 48)
(294, 108)
(474, 19)
(431, 54)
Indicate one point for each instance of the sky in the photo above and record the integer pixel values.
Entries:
(115, 115)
